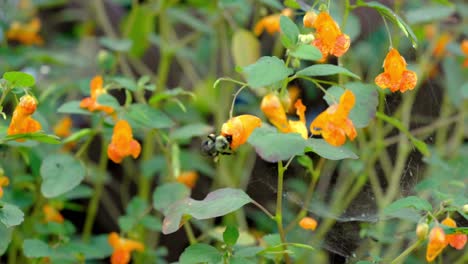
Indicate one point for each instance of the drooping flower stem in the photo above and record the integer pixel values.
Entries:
(279, 208)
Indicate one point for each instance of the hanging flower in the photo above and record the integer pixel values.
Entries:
(464, 49)
(437, 243)
(189, 178)
(91, 103)
(123, 248)
(51, 214)
(309, 19)
(333, 124)
(457, 241)
(4, 181)
(238, 129)
(27, 34)
(22, 122)
(271, 23)
(293, 94)
(328, 37)
(122, 143)
(63, 127)
(308, 223)
(395, 75)
(273, 109)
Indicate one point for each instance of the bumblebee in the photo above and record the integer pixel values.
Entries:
(216, 145)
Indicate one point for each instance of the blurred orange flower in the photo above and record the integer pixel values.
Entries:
(4, 181)
(189, 178)
(51, 214)
(91, 103)
(27, 34)
(271, 23)
(22, 122)
(238, 129)
(309, 19)
(457, 241)
(437, 243)
(328, 37)
(333, 123)
(63, 127)
(123, 248)
(273, 109)
(308, 223)
(441, 45)
(395, 75)
(122, 143)
(464, 49)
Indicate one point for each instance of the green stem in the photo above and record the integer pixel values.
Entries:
(189, 231)
(405, 253)
(279, 209)
(147, 152)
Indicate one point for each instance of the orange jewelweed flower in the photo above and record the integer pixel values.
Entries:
(238, 129)
(4, 181)
(309, 19)
(457, 241)
(123, 248)
(22, 122)
(308, 223)
(464, 49)
(333, 123)
(63, 127)
(27, 34)
(395, 75)
(293, 94)
(437, 243)
(273, 109)
(328, 37)
(51, 214)
(189, 178)
(441, 45)
(122, 143)
(91, 103)
(271, 23)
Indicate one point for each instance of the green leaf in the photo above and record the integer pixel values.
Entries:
(392, 17)
(78, 135)
(10, 215)
(464, 90)
(454, 79)
(35, 248)
(60, 174)
(5, 238)
(325, 69)
(72, 107)
(120, 45)
(142, 115)
(289, 29)
(191, 130)
(108, 100)
(152, 223)
(306, 52)
(367, 99)
(243, 38)
(408, 202)
(323, 149)
(169, 193)
(230, 235)
(425, 14)
(36, 136)
(266, 71)
(19, 79)
(137, 26)
(200, 253)
(126, 83)
(292, 4)
(273, 146)
(216, 203)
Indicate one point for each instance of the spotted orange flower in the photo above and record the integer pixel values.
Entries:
(122, 143)
(464, 48)
(238, 129)
(437, 243)
(457, 241)
(22, 122)
(27, 34)
(123, 248)
(51, 214)
(273, 109)
(63, 127)
(91, 103)
(395, 75)
(328, 37)
(4, 181)
(333, 124)
(271, 23)
(189, 178)
(308, 223)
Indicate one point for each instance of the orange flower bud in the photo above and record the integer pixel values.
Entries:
(395, 75)
(309, 19)
(328, 37)
(239, 128)
(437, 243)
(91, 103)
(4, 181)
(51, 214)
(422, 229)
(22, 122)
(122, 143)
(123, 248)
(189, 178)
(464, 49)
(457, 241)
(308, 223)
